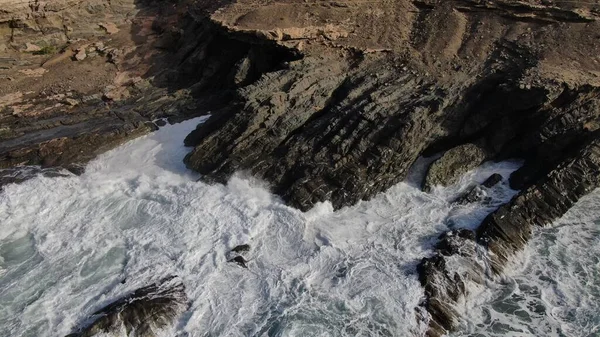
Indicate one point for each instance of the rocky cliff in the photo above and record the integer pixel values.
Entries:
(327, 101)
(78, 77)
(382, 83)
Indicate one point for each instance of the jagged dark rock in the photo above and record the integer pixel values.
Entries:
(451, 243)
(567, 121)
(141, 314)
(344, 126)
(492, 180)
(241, 249)
(475, 194)
(508, 229)
(505, 232)
(240, 261)
(478, 193)
(361, 140)
(76, 168)
(442, 289)
(348, 135)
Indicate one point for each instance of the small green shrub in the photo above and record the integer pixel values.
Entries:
(46, 50)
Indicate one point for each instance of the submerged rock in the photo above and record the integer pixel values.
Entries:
(76, 169)
(144, 313)
(240, 261)
(478, 193)
(474, 194)
(453, 242)
(492, 180)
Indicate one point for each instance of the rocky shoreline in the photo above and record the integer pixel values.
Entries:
(337, 104)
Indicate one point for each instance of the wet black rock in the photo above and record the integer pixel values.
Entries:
(474, 194)
(479, 193)
(453, 242)
(492, 181)
(76, 169)
(241, 249)
(441, 290)
(160, 122)
(144, 313)
(240, 261)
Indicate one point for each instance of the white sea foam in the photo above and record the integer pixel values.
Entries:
(137, 214)
(552, 288)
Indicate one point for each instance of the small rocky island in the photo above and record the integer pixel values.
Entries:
(324, 100)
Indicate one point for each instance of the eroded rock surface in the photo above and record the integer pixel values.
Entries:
(345, 123)
(144, 313)
(507, 230)
(502, 235)
(473, 80)
(331, 101)
(80, 77)
(56, 62)
(454, 164)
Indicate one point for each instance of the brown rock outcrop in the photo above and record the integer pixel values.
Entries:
(70, 89)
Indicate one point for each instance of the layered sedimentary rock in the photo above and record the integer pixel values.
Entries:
(509, 228)
(502, 234)
(80, 77)
(59, 71)
(345, 124)
(334, 101)
(470, 80)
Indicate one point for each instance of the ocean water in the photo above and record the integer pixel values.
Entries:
(552, 288)
(70, 245)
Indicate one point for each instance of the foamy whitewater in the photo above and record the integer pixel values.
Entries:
(138, 215)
